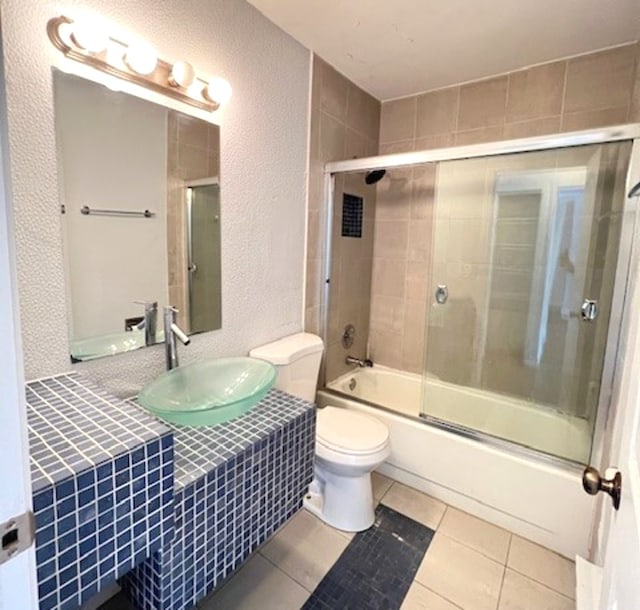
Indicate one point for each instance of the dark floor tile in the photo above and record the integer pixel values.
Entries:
(377, 568)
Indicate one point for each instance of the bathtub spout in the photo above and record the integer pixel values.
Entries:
(359, 361)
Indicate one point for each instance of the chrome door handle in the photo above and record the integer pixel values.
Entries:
(192, 268)
(442, 294)
(589, 310)
(592, 483)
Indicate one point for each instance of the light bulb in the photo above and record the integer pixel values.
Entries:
(217, 91)
(182, 74)
(141, 58)
(89, 36)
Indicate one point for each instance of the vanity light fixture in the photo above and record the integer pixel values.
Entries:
(87, 42)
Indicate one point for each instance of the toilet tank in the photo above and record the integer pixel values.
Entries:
(297, 359)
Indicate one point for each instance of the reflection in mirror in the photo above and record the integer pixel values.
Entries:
(141, 217)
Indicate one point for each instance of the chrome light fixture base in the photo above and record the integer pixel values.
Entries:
(159, 80)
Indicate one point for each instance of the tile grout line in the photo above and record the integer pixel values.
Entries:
(289, 576)
(504, 573)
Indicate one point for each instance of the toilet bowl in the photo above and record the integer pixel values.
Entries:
(349, 446)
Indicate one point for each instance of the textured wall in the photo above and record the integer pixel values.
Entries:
(263, 165)
(344, 125)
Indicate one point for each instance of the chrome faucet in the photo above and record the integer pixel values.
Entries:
(359, 361)
(150, 321)
(171, 331)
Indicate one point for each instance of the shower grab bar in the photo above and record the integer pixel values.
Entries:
(86, 211)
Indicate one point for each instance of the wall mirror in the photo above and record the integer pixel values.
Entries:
(140, 203)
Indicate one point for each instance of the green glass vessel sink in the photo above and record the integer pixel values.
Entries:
(209, 392)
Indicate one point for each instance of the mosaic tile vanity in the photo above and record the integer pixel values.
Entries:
(102, 477)
(169, 511)
(236, 484)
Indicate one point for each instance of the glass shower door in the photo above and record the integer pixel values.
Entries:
(203, 222)
(525, 248)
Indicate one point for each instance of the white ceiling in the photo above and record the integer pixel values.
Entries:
(393, 48)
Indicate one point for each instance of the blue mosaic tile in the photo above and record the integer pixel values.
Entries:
(236, 484)
(377, 568)
(74, 499)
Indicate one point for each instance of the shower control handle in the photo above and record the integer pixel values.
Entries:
(442, 294)
(592, 483)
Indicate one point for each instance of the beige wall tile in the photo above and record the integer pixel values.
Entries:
(357, 145)
(390, 148)
(600, 80)
(589, 119)
(398, 120)
(332, 138)
(533, 127)
(333, 93)
(478, 136)
(193, 163)
(391, 238)
(388, 277)
(387, 313)
(442, 140)
(413, 339)
(394, 195)
(482, 104)
(363, 112)
(536, 92)
(437, 112)
(634, 114)
(192, 132)
(386, 348)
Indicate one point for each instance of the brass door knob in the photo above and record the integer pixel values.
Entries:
(592, 483)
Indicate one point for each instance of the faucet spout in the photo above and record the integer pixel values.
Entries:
(150, 321)
(171, 331)
(359, 361)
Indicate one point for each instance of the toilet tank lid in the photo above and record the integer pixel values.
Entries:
(288, 349)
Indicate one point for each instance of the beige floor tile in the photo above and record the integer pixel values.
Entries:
(421, 598)
(380, 484)
(461, 575)
(543, 565)
(258, 585)
(305, 549)
(415, 505)
(522, 593)
(489, 539)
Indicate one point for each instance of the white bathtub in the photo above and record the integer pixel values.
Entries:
(536, 499)
(507, 418)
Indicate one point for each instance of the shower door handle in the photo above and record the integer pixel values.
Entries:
(589, 310)
(442, 294)
(192, 268)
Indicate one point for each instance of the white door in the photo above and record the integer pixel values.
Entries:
(621, 574)
(17, 575)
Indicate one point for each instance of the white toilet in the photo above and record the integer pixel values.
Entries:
(349, 445)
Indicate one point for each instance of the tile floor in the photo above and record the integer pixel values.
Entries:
(469, 565)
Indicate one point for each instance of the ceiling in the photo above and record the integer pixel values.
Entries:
(394, 48)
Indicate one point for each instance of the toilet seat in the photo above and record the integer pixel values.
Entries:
(350, 433)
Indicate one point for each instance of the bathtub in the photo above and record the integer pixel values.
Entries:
(521, 491)
(518, 421)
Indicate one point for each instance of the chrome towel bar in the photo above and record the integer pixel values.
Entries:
(86, 210)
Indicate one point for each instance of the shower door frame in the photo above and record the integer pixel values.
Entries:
(617, 133)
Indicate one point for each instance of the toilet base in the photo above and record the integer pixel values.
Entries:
(345, 503)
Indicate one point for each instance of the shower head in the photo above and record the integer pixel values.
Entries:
(374, 176)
